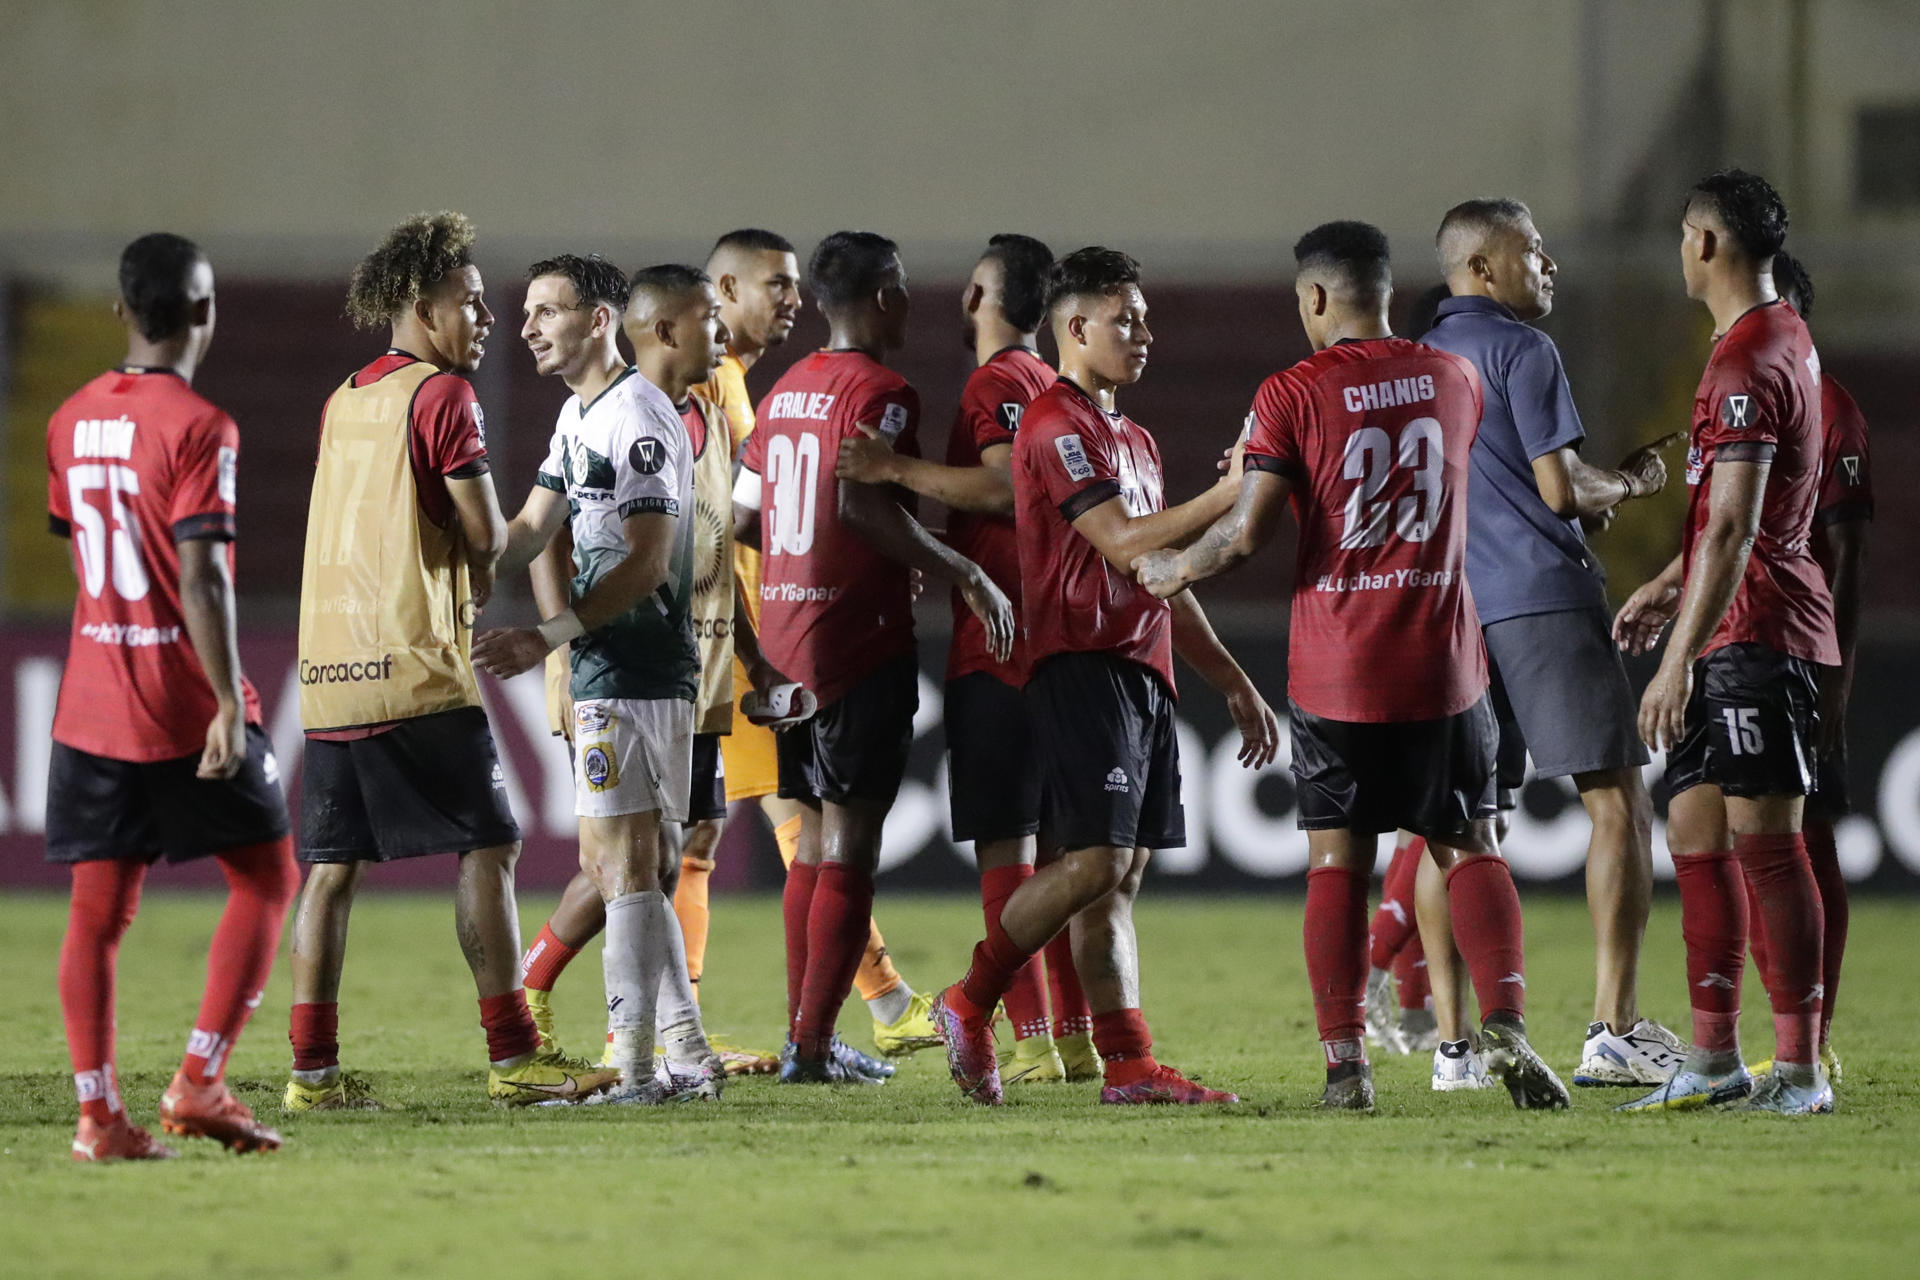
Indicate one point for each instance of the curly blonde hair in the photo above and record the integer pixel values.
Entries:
(412, 257)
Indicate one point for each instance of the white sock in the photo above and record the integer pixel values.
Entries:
(631, 969)
(891, 1006)
(677, 1015)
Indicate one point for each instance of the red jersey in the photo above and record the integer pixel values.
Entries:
(832, 608)
(1846, 465)
(996, 395)
(137, 462)
(1373, 436)
(1069, 457)
(1759, 401)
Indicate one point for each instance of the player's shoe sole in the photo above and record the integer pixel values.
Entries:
(95, 1143)
(911, 1032)
(1530, 1082)
(211, 1111)
(970, 1054)
(1647, 1054)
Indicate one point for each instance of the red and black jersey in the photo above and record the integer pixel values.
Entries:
(136, 463)
(1070, 456)
(1759, 401)
(1374, 436)
(832, 608)
(996, 396)
(1846, 463)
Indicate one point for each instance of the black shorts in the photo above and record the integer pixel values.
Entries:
(994, 780)
(1751, 724)
(1831, 799)
(99, 809)
(1109, 758)
(707, 798)
(1432, 777)
(1510, 754)
(854, 750)
(428, 785)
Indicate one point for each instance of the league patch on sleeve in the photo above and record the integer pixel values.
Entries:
(893, 421)
(479, 424)
(647, 456)
(1736, 412)
(1009, 415)
(228, 464)
(1850, 470)
(1073, 457)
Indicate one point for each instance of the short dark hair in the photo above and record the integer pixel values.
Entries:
(1025, 264)
(1748, 207)
(1791, 281)
(594, 279)
(669, 278)
(1094, 270)
(753, 239)
(1468, 222)
(411, 259)
(1355, 252)
(154, 271)
(848, 266)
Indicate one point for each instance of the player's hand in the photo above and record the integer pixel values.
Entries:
(1233, 463)
(867, 458)
(1637, 627)
(1159, 572)
(1259, 727)
(1645, 469)
(226, 748)
(995, 611)
(1833, 709)
(1599, 522)
(480, 580)
(507, 651)
(1663, 709)
(764, 676)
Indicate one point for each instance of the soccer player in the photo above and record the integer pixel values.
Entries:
(836, 615)
(758, 278)
(1089, 499)
(1397, 962)
(402, 537)
(1560, 691)
(1735, 699)
(157, 744)
(1387, 673)
(995, 781)
(620, 468)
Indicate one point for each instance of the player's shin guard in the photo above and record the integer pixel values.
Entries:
(837, 933)
(1788, 902)
(1072, 1016)
(1125, 1046)
(631, 963)
(691, 909)
(261, 882)
(1335, 937)
(796, 904)
(106, 895)
(1713, 923)
(1485, 910)
(1825, 858)
(1026, 996)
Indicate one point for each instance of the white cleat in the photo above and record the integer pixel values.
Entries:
(1777, 1093)
(1382, 1029)
(1456, 1066)
(699, 1081)
(1647, 1054)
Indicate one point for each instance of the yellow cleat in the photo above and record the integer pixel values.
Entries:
(912, 1032)
(546, 1076)
(1032, 1061)
(1077, 1057)
(744, 1062)
(338, 1092)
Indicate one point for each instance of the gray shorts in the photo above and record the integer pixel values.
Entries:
(1562, 691)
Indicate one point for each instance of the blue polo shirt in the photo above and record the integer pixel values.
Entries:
(1521, 558)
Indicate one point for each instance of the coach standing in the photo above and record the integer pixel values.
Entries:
(1559, 684)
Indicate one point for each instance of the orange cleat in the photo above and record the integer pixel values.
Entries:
(120, 1140)
(189, 1110)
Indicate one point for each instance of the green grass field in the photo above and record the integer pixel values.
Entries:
(906, 1181)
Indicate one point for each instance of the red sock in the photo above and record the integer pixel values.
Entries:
(1713, 923)
(996, 960)
(796, 903)
(1833, 915)
(1410, 975)
(545, 960)
(838, 925)
(1125, 1046)
(1027, 995)
(1788, 901)
(509, 1027)
(1485, 909)
(315, 1032)
(1393, 924)
(1072, 1016)
(1336, 943)
(261, 881)
(106, 894)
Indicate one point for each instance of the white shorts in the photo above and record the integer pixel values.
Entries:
(632, 755)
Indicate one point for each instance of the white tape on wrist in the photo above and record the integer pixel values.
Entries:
(559, 629)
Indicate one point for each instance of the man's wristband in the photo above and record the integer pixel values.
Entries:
(1626, 482)
(560, 628)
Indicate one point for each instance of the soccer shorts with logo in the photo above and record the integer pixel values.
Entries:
(707, 794)
(994, 781)
(1108, 754)
(1432, 777)
(427, 785)
(1751, 724)
(632, 755)
(855, 749)
(99, 808)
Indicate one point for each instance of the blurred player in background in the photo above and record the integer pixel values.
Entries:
(1090, 499)
(1387, 673)
(157, 744)
(1735, 699)
(994, 779)
(836, 615)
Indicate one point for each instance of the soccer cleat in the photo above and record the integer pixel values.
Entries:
(1164, 1086)
(1647, 1054)
(864, 1064)
(1078, 1058)
(1696, 1086)
(795, 1069)
(699, 1081)
(1829, 1063)
(1031, 1061)
(189, 1110)
(1420, 1029)
(1511, 1060)
(911, 1032)
(970, 1053)
(547, 1075)
(744, 1062)
(645, 1093)
(1349, 1088)
(1382, 1029)
(94, 1142)
(1457, 1067)
(338, 1092)
(1781, 1096)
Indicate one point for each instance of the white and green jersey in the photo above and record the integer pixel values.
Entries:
(627, 453)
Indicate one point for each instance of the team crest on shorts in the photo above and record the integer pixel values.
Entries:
(591, 717)
(598, 768)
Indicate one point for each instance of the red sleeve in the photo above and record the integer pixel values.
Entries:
(59, 513)
(990, 409)
(753, 453)
(1744, 422)
(1846, 470)
(1077, 469)
(895, 412)
(449, 432)
(203, 481)
(1273, 425)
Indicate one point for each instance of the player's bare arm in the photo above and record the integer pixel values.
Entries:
(1719, 561)
(206, 601)
(1573, 488)
(1200, 648)
(893, 533)
(508, 651)
(551, 579)
(1847, 548)
(1243, 530)
(531, 532)
(1124, 538)
(987, 488)
(483, 530)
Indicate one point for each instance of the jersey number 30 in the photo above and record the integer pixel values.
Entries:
(793, 467)
(97, 547)
(1372, 455)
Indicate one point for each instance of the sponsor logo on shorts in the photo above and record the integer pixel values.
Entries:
(1117, 780)
(591, 717)
(499, 777)
(270, 768)
(356, 672)
(598, 768)
(1073, 457)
